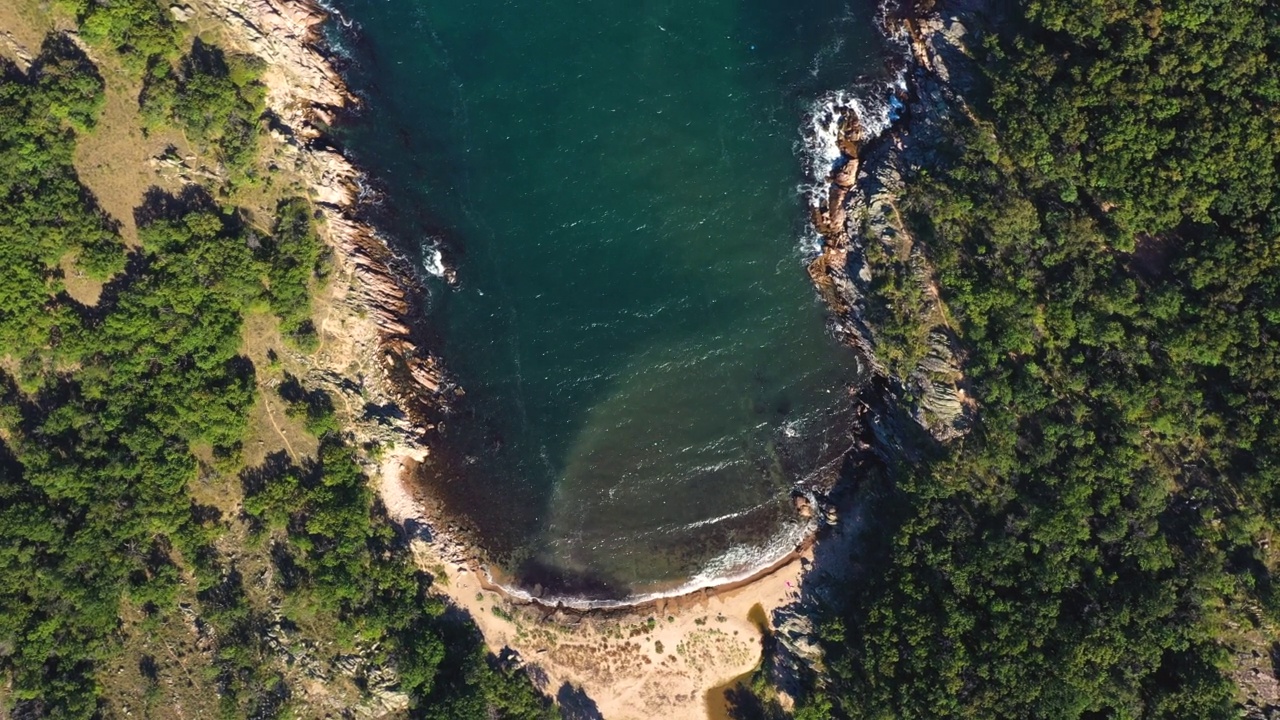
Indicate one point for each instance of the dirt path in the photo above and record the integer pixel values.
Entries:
(262, 389)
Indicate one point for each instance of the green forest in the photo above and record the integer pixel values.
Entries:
(1105, 229)
(110, 414)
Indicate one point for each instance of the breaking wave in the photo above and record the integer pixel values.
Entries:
(877, 104)
(433, 261)
(737, 564)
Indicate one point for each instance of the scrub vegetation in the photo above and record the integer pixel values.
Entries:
(1105, 232)
(214, 98)
(120, 421)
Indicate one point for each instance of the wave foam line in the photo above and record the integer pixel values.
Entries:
(726, 516)
(736, 565)
(874, 103)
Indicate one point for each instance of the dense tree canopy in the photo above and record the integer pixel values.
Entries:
(215, 98)
(46, 213)
(1106, 237)
(140, 32)
(106, 410)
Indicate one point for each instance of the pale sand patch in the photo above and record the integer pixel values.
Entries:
(706, 639)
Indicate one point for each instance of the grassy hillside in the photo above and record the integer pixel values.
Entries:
(185, 529)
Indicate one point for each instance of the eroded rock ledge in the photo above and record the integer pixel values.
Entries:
(304, 93)
(871, 270)
(866, 246)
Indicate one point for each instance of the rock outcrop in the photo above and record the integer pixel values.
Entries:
(304, 93)
(10, 47)
(866, 245)
(866, 248)
(390, 387)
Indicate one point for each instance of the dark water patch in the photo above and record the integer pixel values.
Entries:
(757, 617)
(730, 700)
(646, 367)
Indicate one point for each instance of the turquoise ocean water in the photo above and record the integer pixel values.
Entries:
(618, 184)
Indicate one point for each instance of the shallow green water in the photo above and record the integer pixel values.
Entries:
(646, 366)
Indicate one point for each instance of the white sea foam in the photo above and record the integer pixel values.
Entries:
(810, 243)
(743, 561)
(433, 262)
(877, 106)
(874, 104)
(734, 565)
(726, 516)
(366, 194)
(334, 12)
(338, 32)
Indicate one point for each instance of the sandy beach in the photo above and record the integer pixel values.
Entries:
(659, 660)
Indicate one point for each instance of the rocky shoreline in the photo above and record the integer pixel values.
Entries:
(864, 235)
(858, 221)
(374, 359)
(306, 94)
(866, 244)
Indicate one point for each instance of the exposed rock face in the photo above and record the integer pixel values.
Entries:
(371, 359)
(181, 13)
(796, 633)
(795, 652)
(865, 238)
(381, 681)
(302, 84)
(16, 50)
(172, 166)
(304, 91)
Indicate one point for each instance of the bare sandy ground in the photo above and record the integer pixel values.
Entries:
(656, 662)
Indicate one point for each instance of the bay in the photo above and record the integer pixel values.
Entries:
(646, 365)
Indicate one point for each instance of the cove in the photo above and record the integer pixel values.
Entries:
(646, 367)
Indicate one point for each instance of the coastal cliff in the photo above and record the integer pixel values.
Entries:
(370, 356)
(865, 240)
(867, 255)
(875, 275)
(305, 94)
(871, 270)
